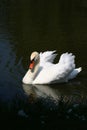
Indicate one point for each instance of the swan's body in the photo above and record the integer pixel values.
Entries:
(43, 71)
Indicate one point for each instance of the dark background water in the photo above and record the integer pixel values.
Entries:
(29, 25)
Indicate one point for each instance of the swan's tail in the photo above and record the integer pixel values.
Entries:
(79, 69)
(74, 73)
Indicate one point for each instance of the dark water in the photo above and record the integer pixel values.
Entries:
(30, 25)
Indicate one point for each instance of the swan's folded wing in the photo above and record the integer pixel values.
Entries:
(57, 72)
(47, 56)
(53, 74)
(63, 72)
(66, 66)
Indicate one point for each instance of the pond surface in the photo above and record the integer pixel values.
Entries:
(29, 25)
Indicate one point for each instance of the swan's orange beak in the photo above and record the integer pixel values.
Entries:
(32, 63)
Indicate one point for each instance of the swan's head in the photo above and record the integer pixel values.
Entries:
(34, 59)
(34, 56)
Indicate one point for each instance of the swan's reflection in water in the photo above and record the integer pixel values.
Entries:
(73, 94)
(41, 91)
(66, 100)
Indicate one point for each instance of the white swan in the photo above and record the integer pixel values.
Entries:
(42, 70)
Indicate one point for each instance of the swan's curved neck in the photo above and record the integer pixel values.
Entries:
(31, 73)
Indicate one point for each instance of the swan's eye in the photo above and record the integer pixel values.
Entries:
(32, 61)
